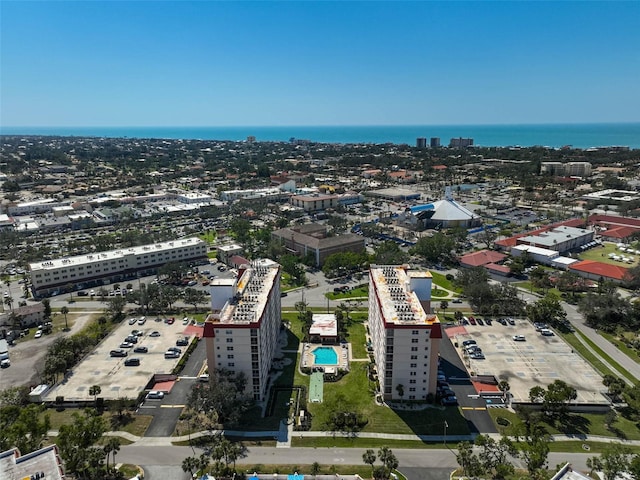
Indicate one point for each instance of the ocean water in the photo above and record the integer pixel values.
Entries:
(576, 135)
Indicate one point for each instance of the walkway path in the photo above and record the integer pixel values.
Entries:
(167, 441)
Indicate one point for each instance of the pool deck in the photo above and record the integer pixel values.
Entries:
(343, 352)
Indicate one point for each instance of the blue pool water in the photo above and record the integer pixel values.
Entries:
(325, 356)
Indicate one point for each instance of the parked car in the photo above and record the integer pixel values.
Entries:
(171, 354)
(519, 338)
(469, 342)
(132, 321)
(546, 332)
(182, 342)
(132, 362)
(126, 345)
(137, 333)
(118, 353)
(480, 321)
(175, 349)
(472, 320)
(511, 321)
(38, 334)
(142, 320)
(155, 395)
(6, 363)
(456, 300)
(155, 333)
(502, 321)
(449, 401)
(141, 350)
(477, 355)
(131, 339)
(169, 321)
(488, 321)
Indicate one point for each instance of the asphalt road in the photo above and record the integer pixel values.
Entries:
(435, 460)
(473, 407)
(166, 412)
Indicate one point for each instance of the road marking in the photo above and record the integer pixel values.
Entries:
(473, 408)
(172, 406)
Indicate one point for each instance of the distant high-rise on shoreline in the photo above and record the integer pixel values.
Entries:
(460, 142)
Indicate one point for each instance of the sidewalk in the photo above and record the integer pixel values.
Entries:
(286, 442)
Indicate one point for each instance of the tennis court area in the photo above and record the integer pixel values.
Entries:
(316, 387)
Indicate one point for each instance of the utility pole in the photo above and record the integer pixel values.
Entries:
(445, 432)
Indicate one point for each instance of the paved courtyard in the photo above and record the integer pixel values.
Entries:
(537, 361)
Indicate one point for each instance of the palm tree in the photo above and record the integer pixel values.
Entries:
(443, 306)
(369, 457)
(95, 391)
(64, 311)
(9, 302)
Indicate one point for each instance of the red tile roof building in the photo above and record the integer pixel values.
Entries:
(596, 270)
(481, 258)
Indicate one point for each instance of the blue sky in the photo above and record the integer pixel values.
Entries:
(147, 63)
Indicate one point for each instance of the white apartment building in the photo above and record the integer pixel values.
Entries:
(112, 266)
(241, 333)
(405, 335)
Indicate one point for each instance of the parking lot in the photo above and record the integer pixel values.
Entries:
(535, 361)
(110, 373)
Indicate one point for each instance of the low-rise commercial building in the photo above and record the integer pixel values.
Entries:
(312, 239)
(97, 268)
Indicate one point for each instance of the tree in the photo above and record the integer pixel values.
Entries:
(547, 309)
(194, 297)
(615, 386)
(8, 301)
(443, 306)
(389, 253)
(433, 249)
(23, 427)
(614, 460)
(64, 311)
(388, 459)
(494, 456)
(369, 457)
(315, 469)
(76, 441)
(115, 306)
(111, 447)
(190, 464)
(47, 308)
(95, 390)
(222, 399)
(400, 390)
(468, 460)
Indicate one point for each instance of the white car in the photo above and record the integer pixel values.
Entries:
(519, 338)
(155, 395)
(38, 334)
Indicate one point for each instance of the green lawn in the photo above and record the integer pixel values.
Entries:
(441, 281)
(357, 339)
(356, 387)
(577, 345)
(601, 254)
(584, 423)
(136, 424)
(438, 293)
(629, 352)
(358, 292)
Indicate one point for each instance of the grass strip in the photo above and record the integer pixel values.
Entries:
(608, 359)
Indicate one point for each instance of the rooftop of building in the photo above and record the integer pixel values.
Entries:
(45, 463)
(482, 257)
(602, 269)
(114, 254)
(556, 236)
(252, 290)
(398, 302)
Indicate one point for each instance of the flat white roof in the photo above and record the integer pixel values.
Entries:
(536, 250)
(564, 260)
(114, 254)
(324, 324)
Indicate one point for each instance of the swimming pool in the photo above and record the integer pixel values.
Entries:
(325, 356)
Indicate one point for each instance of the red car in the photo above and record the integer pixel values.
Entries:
(472, 320)
(170, 321)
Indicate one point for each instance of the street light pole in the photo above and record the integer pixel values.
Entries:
(445, 432)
